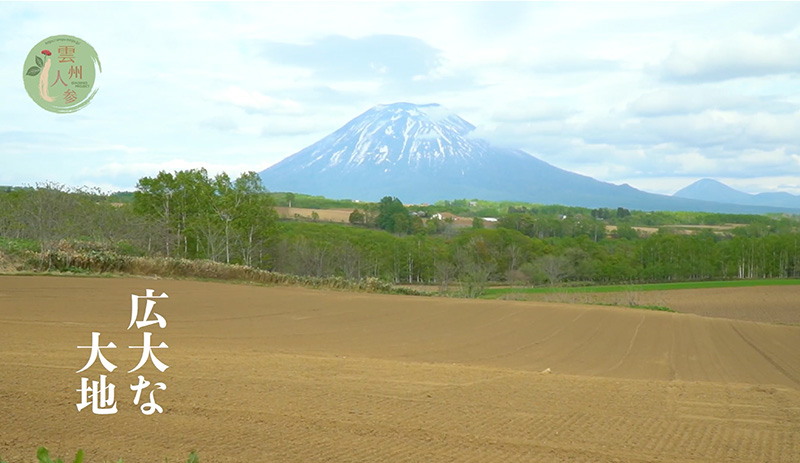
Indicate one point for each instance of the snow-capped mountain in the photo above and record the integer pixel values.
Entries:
(418, 153)
(424, 153)
(401, 135)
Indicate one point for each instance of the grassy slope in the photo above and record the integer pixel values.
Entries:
(496, 292)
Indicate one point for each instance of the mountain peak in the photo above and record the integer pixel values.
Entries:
(713, 190)
(709, 182)
(404, 106)
(429, 113)
(387, 137)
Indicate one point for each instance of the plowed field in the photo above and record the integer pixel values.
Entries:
(769, 304)
(296, 375)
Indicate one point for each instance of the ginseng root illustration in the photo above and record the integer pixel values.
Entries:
(43, 81)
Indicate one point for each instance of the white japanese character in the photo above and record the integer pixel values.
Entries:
(97, 354)
(147, 310)
(100, 396)
(148, 408)
(147, 351)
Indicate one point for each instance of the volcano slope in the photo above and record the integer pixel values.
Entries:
(295, 375)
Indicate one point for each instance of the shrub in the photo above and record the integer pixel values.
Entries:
(43, 455)
(82, 257)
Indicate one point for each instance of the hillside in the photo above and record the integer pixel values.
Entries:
(713, 190)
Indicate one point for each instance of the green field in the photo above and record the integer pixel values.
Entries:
(493, 293)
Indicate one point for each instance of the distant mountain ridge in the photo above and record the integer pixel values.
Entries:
(425, 153)
(712, 190)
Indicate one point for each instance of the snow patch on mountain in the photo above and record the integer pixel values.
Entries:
(421, 136)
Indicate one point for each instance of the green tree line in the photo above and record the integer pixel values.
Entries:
(193, 215)
(211, 218)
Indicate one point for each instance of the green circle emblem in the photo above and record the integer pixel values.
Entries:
(60, 73)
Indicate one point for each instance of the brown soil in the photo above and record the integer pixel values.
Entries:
(343, 216)
(683, 229)
(769, 304)
(296, 375)
(325, 215)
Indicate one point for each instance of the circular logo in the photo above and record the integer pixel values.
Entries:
(60, 73)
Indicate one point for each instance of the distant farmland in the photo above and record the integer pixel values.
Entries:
(326, 215)
(343, 215)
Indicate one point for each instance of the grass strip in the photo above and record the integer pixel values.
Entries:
(492, 293)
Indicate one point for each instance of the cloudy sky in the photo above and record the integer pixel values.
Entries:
(656, 95)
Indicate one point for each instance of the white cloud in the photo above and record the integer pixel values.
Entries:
(770, 184)
(255, 100)
(685, 100)
(356, 86)
(739, 55)
(625, 94)
(144, 169)
(438, 113)
(138, 150)
(533, 110)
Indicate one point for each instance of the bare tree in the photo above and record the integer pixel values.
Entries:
(515, 256)
(555, 268)
(444, 272)
(350, 261)
(473, 267)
